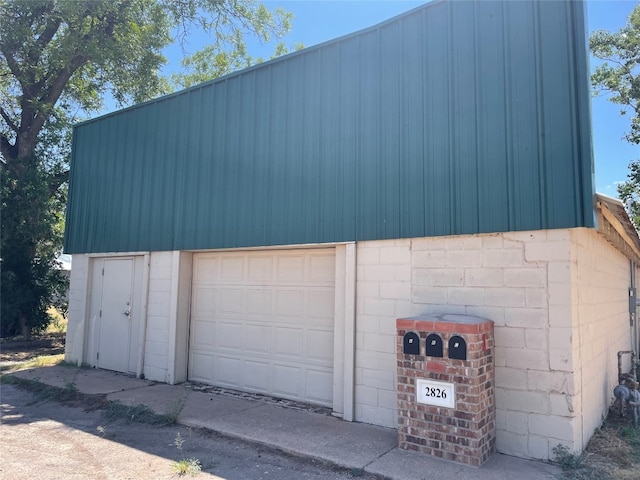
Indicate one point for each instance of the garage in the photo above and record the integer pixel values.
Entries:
(263, 321)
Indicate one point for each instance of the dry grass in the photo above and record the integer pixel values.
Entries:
(613, 453)
(37, 362)
(58, 322)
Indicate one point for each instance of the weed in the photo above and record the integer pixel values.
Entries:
(185, 466)
(176, 409)
(137, 414)
(69, 392)
(41, 391)
(573, 465)
(102, 430)
(7, 380)
(567, 459)
(178, 442)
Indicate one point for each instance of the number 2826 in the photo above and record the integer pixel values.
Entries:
(435, 392)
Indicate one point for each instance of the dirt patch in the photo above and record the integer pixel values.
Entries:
(17, 350)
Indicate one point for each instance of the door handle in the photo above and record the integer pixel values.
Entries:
(127, 313)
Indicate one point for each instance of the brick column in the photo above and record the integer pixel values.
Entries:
(464, 430)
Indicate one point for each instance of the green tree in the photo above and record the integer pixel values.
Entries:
(210, 63)
(59, 59)
(618, 77)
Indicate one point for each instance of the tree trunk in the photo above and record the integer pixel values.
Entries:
(26, 329)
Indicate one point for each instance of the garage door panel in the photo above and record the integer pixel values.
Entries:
(287, 381)
(322, 268)
(231, 269)
(205, 299)
(318, 383)
(257, 377)
(202, 367)
(259, 301)
(260, 269)
(227, 371)
(263, 322)
(258, 338)
(289, 302)
(229, 336)
(231, 300)
(207, 269)
(320, 305)
(288, 341)
(290, 269)
(320, 345)
(203, 333)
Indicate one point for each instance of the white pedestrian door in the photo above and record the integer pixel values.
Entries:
(118, 316)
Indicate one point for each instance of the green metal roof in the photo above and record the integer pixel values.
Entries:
(454, 118)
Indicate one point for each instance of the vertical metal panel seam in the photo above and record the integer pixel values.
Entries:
(540, 134)
(586, 188)
(223, 160)
(426, 108)
(321, 153)
(422, 160)
(450, 74)
(268, 223)
(575, 120)
(511, 219)
(478, 109)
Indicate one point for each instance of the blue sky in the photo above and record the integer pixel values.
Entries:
(317, 21)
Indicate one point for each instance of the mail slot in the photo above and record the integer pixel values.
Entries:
(434, 345)
(457, 348)
(411, 343)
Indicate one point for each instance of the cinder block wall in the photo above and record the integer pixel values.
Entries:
(601, 278)
(78, 284)
(383, 293)
(156, 351)
(548, 292)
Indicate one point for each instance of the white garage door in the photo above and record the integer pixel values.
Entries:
(263, 322)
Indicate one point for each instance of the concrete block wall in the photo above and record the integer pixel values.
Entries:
(383, 293)
(601, 278)
(156, 352)
(558, 299)
(521, 281)
(77, 307)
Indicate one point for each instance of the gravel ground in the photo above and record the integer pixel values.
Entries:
(48, 440)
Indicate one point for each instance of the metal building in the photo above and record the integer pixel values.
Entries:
(263, 231)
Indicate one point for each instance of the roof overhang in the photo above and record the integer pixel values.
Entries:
(616, 226)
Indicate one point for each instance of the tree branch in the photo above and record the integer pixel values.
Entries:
(45, 37)
(57, 180)
(33, 119)
(13, 65)
(7, 150)
(7, 119)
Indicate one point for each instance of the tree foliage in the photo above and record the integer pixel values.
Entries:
(210, 63)
(618, 77)
(59, 60)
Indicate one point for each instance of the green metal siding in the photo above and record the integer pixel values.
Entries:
(455, 118)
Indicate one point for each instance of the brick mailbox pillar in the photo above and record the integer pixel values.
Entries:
(446, 401)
